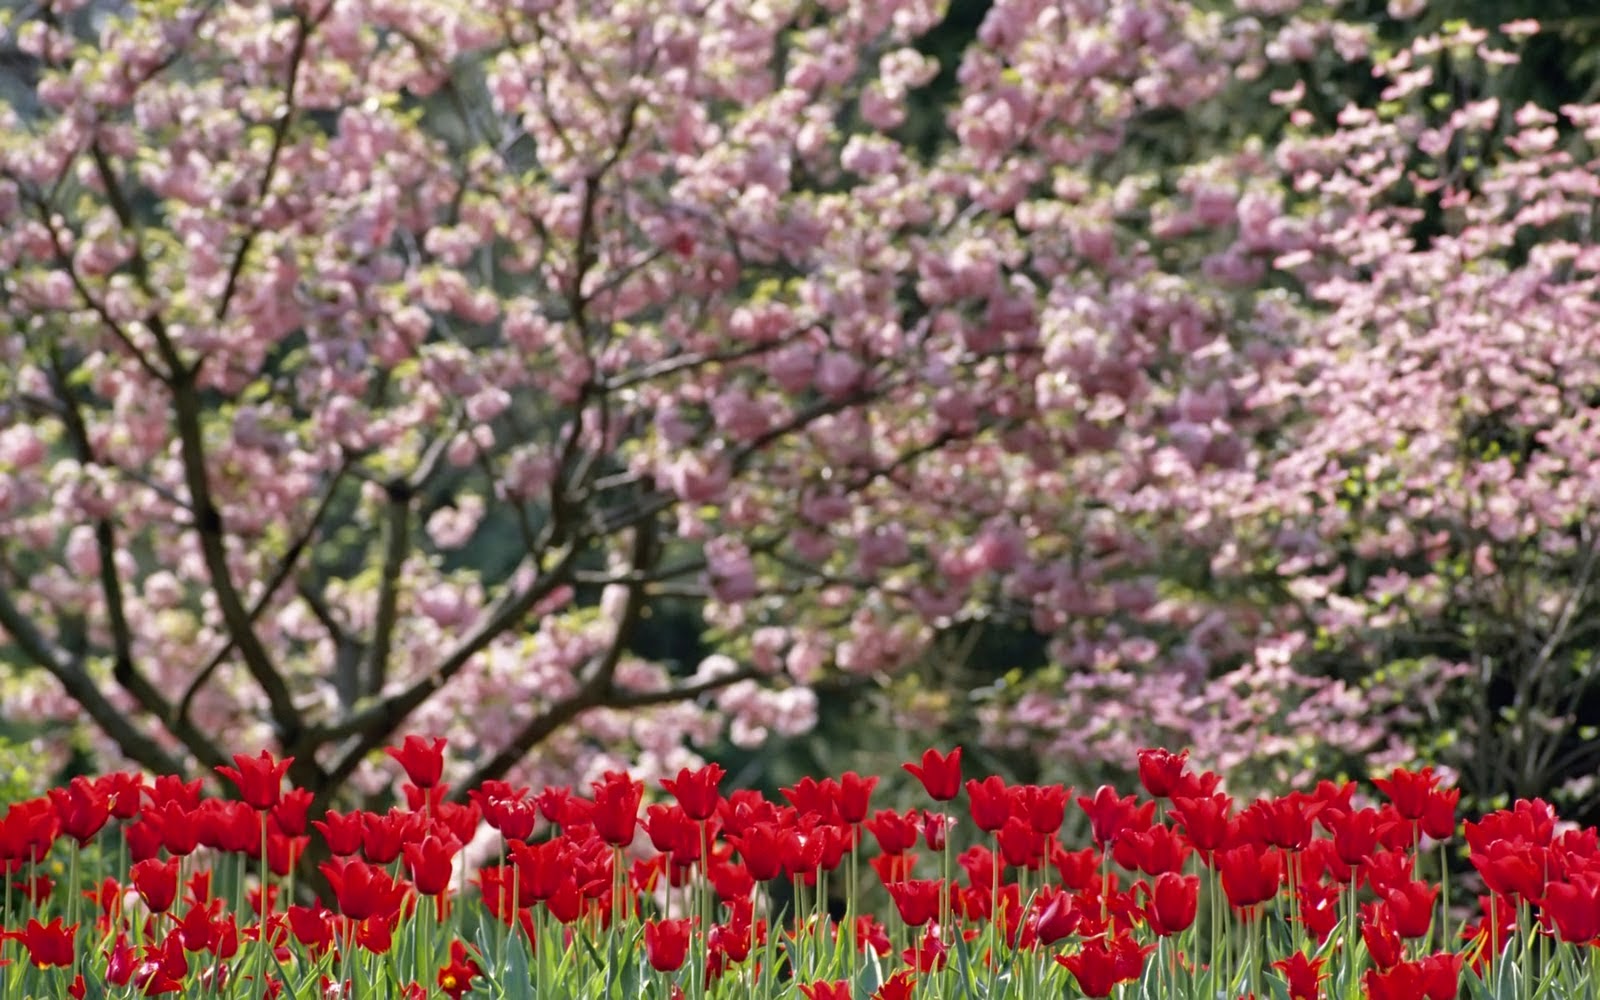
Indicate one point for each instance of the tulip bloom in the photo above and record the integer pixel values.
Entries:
(456, 978)
(916, 900)
(82, 809)
(1161, 771)
(1250, 875)
(259, 779)
(666, 944)
(616, 807)
(855, 796)
(989, 802)
(1174, 901)
(363, 890)
(423, 761)
(48, 944)
(696, 791)
(1304, 976)
(838, 990)
(896, 834)
(156, 882)
(1099, 968)
(940, 774)
(430, 862)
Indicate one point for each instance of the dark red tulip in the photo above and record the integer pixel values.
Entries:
(429, 862)
(156, 882)
(696, 791)
(422, 760)
(259, 779)
(940, 774)
(1161, 771)
(666, 944)
(616, 807)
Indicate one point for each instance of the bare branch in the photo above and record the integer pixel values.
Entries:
(134, 744)
(124, 669)
(402, 495)
(285, 569)
(280, 135)
(209, 526)
(376, 724)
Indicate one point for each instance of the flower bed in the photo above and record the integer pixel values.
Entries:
(127, 886)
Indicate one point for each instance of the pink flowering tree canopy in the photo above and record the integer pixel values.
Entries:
(375, 366)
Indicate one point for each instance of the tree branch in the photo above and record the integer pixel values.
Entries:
(209, 525)
(280, 135)
(396, 544)
(135, 745)
(402, 494)
(284, 570)
(126, 671)
(376, 724)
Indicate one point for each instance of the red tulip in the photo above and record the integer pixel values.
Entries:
(1409, 790)
(666, 944)
(1153, 851)
(616, 807)
(1304, 976)
(696, 791)
(1058, 919)
(813, 799)
(1383, 941)
(1355, 834)
(1250, 875)
(989, 803)
(430, 862)
(230, 827)
(423, 761)
(289, 815)
(1099, 968)
(311, 927)
(1411, 905)
(930, 954)
(341, 833)
(673, 831)
(1284, 823)
(1042, 806)
(174, 822)
(1161, 771)
(82, 809)
(456, 978)
(916, 900)
(895, 833)
(1110, 816)
(156, 882)
(383, 837)
(900, 986)
(1403, 981)
(1174, 902)
(1021, 845)
(363, 890)
(836, 990)
(761, 847)
(1574, 907)
(1440, 975)
(48, 944)
(855, 796)
(259, 779)
(1206, 820)
(940, 774)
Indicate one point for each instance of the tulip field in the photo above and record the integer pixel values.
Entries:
(124, 886)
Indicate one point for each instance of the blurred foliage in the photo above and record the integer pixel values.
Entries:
(20, 776)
